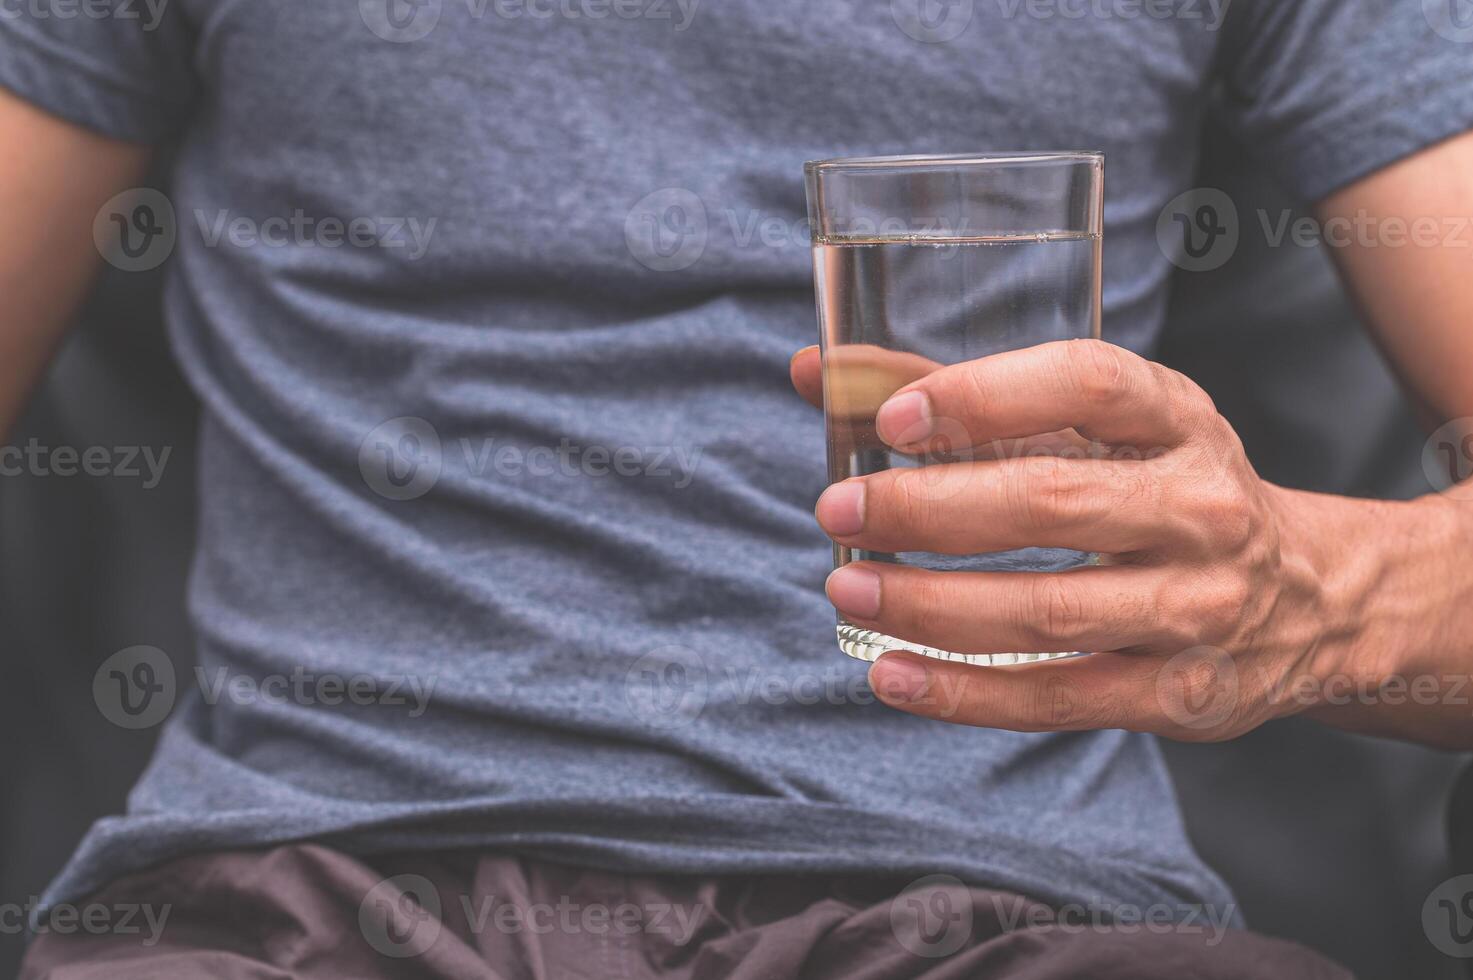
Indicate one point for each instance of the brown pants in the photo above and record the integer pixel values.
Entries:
(306, 911)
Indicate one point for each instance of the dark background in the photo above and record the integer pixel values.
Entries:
(1329, 839)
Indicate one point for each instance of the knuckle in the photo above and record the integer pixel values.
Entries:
(1197, 418)
(1193, 395)
(1172, 608)
(1225, 606)
(1056, 615)
(1100, 372)
(1227, 516)
(1184, 407)
(1139, 488)
(1048, 492)
(1210, 610)
(1060, 703)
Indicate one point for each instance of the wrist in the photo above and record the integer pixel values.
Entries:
(1419, 592)
(1367, 578)
(1396, 596)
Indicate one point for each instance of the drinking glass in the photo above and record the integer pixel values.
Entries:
(921, 262)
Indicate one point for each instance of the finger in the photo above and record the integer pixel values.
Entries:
(978, 507)
(1088, 609)
(1102, 391)
(1104, 690)
(806, 372)
(858, 378)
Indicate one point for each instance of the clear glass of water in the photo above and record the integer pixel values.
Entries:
(921, 262)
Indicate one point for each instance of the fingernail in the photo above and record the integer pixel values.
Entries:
(904, 419)
(854, 591)
(898, 679)
(840, 510)
(800, 353)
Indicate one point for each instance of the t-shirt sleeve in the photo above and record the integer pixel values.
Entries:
(1329, 91)
(123, 68)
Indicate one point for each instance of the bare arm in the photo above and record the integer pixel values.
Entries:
(54, 177)
(1416, 288)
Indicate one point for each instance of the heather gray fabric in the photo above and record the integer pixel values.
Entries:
(578, 269)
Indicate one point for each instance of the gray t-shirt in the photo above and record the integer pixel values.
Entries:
(490, 303)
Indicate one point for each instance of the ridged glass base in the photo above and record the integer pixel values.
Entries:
(863, 644)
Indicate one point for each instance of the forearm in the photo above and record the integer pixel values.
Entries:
(1410, 566)
(1391, 647)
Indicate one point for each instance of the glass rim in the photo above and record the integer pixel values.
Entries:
(923, 161)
